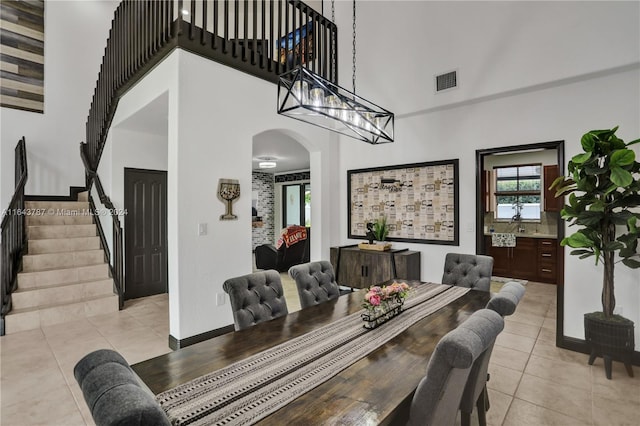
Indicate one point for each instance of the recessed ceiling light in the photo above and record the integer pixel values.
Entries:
(185, 12)
(267, 164)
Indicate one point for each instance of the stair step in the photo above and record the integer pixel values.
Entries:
(83, 196)
(61, 293)
(62, 205)
(50, 218)
(61, 245)
(33, 318)
(43, 232)
(77, 274)
(49, 261)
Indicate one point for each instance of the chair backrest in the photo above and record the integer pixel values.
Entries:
(506, 300)
(438, 395)
(468, 270)
(256, 298)
(476, 381)
(316, 282)
(114, 393)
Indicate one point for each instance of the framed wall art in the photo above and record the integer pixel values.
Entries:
(22, 62)
(419, 200)
(299, 46)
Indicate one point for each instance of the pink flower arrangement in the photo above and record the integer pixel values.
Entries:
(378, 295)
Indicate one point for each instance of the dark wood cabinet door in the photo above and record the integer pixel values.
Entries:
(501, 258)
(524, 259)
(551, 203)
(362, 269)
(501, 261)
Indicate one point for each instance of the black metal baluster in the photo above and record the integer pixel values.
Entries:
(192, 19)
(203, 32)
(214, 39)
(263, 49)
(254, 46)
(245, 29)
(226, 27)
(236, 24)
(177, 31)
(286, 37)
(278, 42)
(273, 43)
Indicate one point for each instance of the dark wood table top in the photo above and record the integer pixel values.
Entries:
(375, 390)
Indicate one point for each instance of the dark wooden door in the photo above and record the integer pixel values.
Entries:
(145, 232)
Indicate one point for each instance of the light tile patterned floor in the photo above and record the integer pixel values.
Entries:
(532, 381)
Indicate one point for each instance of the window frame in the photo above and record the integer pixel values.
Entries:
(518, 192)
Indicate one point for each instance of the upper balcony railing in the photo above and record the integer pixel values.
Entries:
(261, 37)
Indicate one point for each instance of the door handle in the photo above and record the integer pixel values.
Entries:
(546, 254)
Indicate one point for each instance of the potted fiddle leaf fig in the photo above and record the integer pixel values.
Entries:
(603, 184)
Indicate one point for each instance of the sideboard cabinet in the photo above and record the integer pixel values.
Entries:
(358, 268)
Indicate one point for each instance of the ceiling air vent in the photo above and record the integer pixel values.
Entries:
(446, 81)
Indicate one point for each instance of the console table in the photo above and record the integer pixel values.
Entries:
(358, 268)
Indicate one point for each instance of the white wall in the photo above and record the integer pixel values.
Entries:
(75, 37)
(562, 113)
(528, 72)
(213, 114)
(220, 112)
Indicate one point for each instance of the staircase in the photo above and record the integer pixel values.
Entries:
(64, 275)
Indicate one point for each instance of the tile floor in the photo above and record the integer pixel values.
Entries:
(532, 381)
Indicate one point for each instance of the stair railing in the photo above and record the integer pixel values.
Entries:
(264, 38)
(115, 267)
(13, 231)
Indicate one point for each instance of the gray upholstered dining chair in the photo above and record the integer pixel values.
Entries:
(506, 300)
(256, 298)
(316, 282)
(437, 398)
(114, 393)
(475, 393)
(468, 270)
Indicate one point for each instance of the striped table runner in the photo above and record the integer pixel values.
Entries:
(251, 389)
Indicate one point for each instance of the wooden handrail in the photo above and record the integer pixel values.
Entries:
(117, 267)
(13, 234)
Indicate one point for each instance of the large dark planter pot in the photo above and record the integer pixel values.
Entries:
(611, 339)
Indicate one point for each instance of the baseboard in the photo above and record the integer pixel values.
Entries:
(183, 343)
(73, 195)
(580, 345)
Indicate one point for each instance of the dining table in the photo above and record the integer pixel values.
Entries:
(375, 389)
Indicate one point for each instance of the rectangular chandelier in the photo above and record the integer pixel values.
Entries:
(307, 97)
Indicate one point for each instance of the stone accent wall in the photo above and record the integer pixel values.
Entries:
(263, 183)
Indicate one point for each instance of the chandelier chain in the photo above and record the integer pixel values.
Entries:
(335, 42)
(354, 47)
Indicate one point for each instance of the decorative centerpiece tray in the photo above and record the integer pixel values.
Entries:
(376, 247)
